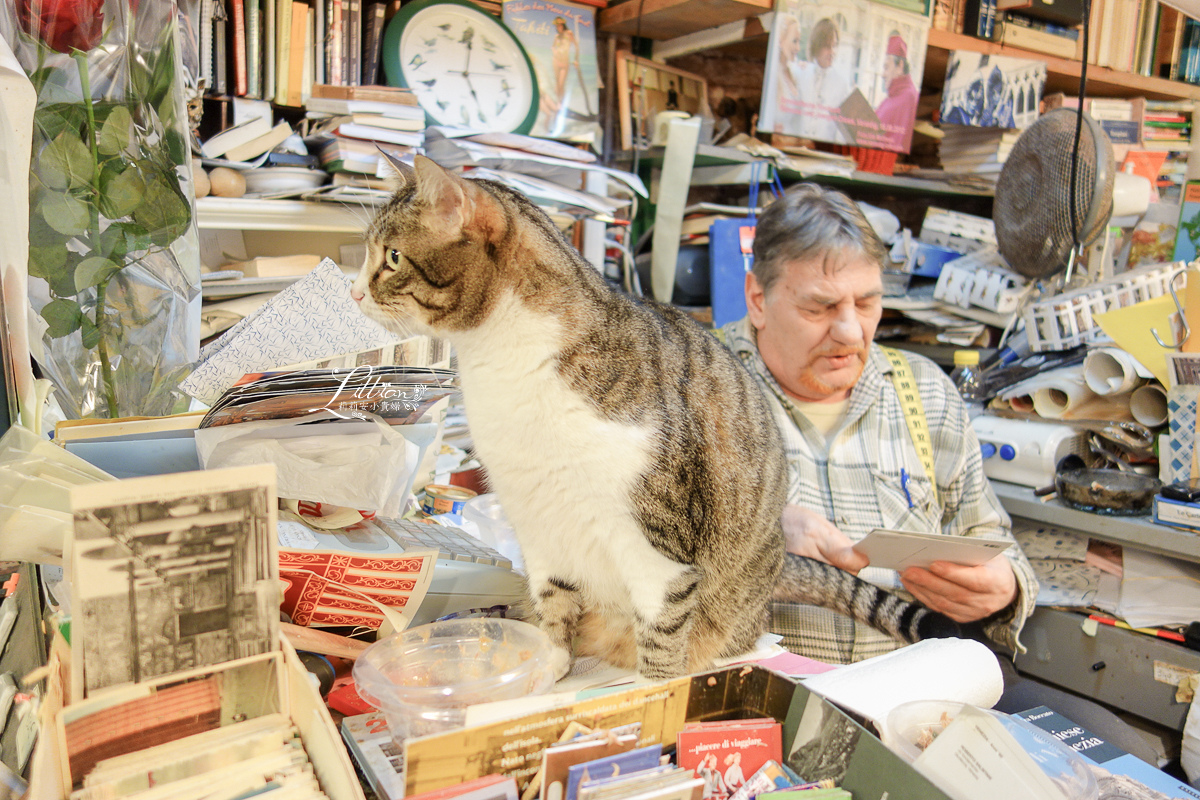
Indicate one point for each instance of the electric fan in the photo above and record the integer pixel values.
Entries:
(1032, 209)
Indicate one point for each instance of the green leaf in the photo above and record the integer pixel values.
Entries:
(41, 234)
(164, 212)
(47, 262)
(63, 317)
(93, 271)
(91, 334)
(114, 134)
(66, 214)
(120, 192)
(53, 119)
(65, 163)
(113, 243)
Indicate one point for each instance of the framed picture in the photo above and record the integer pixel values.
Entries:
(646, 88)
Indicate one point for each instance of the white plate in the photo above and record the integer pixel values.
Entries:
(278, 179)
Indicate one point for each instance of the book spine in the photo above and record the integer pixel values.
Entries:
(221, 49)
(333, 44)
(254, 48)
(268, 50)
(299, 42)
(238, 12)
(320, 28)
(283, 49)
(373, 43)
(205, 45)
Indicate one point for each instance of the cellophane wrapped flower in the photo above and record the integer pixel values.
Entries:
(114, 261)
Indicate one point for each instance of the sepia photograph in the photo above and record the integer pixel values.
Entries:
(173, 572)
(646, 89)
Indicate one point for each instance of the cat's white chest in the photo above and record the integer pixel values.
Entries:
(564, 473)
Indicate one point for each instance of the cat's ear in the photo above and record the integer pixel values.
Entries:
(402, 172)
(441, 191)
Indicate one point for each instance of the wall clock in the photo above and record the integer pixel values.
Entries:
(464, 66)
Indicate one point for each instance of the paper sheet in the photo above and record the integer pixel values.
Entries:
(960, 670)
(313, 318)
(1130, 328)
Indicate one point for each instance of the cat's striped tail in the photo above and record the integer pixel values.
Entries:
(812, 582)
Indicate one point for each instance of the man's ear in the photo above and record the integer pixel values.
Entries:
(756, 301)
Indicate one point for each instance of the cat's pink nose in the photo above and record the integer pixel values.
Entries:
(357, 295)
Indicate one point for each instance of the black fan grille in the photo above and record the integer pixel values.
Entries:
(1032, 209)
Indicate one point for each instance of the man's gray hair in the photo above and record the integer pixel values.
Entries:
(812, 222)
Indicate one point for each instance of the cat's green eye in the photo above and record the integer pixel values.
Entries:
(393, 258)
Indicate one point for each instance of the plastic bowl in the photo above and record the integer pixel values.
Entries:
(910, 726)
(424, 678)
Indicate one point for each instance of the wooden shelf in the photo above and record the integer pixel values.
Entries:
(1062, 75)
(667, 19)
(230, 213)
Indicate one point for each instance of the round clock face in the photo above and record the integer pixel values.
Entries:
(464, 66)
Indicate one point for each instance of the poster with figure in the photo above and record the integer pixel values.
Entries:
(560, 39)
(845, 72)
(992, 91)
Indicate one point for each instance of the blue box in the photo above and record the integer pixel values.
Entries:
(927, 260)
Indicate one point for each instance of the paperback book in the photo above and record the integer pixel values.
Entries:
(725, 753)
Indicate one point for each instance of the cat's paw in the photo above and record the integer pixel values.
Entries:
(933, 625)
(560, 661)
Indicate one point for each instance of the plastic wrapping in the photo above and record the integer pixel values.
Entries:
(113, 254)
(36, 478)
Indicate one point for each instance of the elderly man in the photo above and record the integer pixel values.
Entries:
(814, 300)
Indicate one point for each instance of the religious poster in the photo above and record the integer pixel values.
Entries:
(844, 72)
(560, 39)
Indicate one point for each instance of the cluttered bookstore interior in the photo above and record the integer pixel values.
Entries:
(596, 399)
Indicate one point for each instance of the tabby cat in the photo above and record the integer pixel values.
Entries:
(633, 454)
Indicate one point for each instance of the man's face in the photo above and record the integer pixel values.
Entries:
(817, 323)
(825, 55)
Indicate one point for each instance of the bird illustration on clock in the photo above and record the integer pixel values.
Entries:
(480, 65)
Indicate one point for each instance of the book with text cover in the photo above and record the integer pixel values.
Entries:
(821, 52)
(1118, 773)
(618, 764)
(725, 754)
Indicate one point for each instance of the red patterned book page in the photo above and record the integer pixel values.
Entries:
(328, 588)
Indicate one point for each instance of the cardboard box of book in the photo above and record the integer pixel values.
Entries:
(819, 740)
(178, 682)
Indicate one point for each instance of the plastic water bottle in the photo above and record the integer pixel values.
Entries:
(968, 379)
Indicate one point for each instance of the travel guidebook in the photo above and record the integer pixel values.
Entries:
(845, 72)
(560, 39)
(990, 91)
(726, 753)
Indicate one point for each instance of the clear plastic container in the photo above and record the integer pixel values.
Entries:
(968, 379)
(424, 678)
(494, 530)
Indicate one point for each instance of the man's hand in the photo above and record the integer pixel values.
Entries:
(807, 533)
(964, 594)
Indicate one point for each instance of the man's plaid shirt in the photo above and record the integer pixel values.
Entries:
(855, 483)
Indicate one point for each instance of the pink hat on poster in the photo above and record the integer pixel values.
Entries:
(896, 47)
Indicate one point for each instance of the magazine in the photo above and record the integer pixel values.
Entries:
(845, 72)
(560, 39)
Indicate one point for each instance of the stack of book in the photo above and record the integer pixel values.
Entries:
(969, 149)
(1167, 125)
(350, 124)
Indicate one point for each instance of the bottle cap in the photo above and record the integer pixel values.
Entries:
(966, 358)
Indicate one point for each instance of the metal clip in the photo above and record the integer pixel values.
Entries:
(1186, 329)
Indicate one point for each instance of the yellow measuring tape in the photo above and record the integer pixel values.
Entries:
(914, 412)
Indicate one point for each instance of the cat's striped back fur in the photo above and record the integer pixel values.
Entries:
(635, 457)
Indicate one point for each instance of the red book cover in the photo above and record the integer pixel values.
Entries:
(239, 48)
(724, 754)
